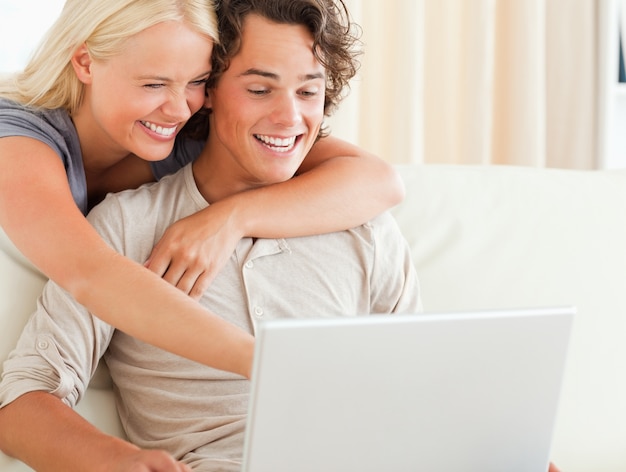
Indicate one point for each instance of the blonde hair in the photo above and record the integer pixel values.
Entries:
(48, 80)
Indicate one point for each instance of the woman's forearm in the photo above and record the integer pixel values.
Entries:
(41, 218)
(143, 305)
(133, 299)
(333, 195)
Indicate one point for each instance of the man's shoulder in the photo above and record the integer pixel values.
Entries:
(382, 224)
(135, 213)
(147, 195)
(384, 219)
(380, 231)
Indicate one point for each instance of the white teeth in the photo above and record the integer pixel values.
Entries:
(277, 144)
(159, 129)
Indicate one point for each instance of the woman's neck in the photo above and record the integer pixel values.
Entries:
(98, 155)
(107, 169)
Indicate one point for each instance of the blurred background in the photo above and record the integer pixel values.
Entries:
(519, 82)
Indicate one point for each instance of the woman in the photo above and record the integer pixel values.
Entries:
(97, 110)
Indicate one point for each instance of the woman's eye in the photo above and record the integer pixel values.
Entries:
(200, 82)
(153, 86)
(258, 91)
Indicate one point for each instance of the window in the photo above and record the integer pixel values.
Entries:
(22, 24)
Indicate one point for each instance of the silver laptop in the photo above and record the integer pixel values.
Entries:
(447, 392)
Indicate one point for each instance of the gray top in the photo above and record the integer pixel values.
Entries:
(56, 129)
(164, 401)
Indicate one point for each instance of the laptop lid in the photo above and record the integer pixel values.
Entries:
(471, 392)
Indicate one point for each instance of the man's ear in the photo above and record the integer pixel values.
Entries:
(81, 62)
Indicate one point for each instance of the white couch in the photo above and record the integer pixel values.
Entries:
(486, 237)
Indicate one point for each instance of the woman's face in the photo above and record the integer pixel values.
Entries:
(137, 101)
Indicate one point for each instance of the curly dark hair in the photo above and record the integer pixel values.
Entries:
(336, 43)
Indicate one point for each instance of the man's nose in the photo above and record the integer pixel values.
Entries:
(286, 111)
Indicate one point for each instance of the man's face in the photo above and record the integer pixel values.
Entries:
(268, 106)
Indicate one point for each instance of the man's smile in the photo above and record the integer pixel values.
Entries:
(277, 144)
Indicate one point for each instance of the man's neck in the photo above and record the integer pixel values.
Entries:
(213, 178)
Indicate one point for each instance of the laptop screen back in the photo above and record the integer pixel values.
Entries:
(469, 392)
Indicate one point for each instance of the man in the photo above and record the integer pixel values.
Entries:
(281, 66)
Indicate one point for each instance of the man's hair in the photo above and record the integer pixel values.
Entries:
(336, 43)
(49, 81)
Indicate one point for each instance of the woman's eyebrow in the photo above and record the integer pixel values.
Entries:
(162, 78)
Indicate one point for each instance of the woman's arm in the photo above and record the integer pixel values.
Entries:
(339, 186)
(38, 213)
(46, 434)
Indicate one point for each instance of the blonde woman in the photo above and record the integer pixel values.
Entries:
(98, 109)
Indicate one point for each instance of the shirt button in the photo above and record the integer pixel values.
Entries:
(249, 265)
(42, 344)
(258, 311)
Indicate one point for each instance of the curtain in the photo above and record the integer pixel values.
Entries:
(475, 82)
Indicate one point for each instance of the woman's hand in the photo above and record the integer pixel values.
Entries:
(194, 249)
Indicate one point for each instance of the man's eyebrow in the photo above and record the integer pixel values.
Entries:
(259, 72)
(273, 76)
(317, 75)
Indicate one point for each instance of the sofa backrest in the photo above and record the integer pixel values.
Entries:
(490, 237)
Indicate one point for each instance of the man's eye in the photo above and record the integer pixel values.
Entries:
(258, 91)
(153, 86)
